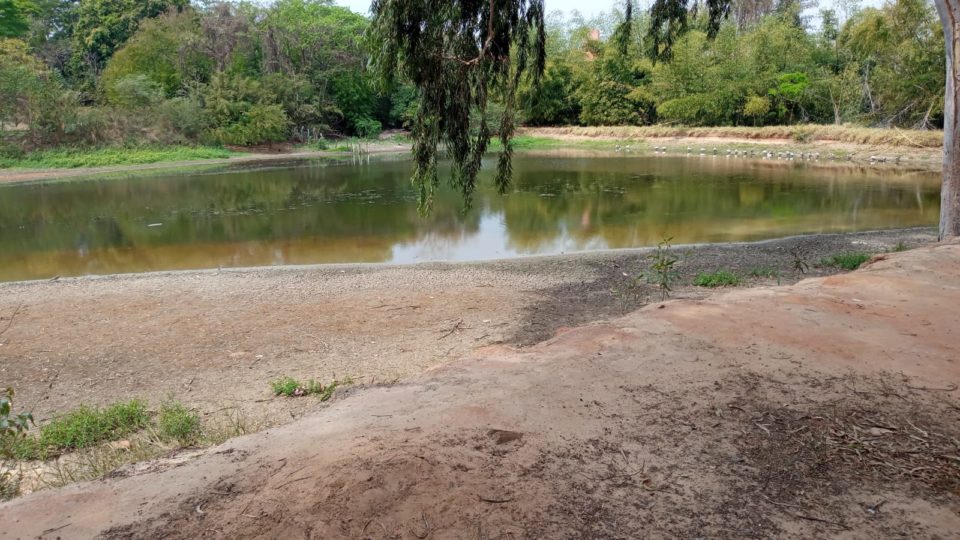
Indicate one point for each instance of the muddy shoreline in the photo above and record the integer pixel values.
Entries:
(821, 409)
(215, 339)
(835, 154)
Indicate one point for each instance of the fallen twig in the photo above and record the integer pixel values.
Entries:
(457, 326)
(293, 481)
(819, 520)
(10, 321)
(427, 529)
(494, 501)
(949, 388)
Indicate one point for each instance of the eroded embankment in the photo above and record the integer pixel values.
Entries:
(811, 410)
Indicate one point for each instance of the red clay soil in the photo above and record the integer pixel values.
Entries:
(824, 409)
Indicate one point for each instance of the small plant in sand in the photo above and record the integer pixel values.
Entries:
(800, 255)
(12, 424)
(663, 271)
(290, 387)
(846, 261)
(178, 423)
(720, 278)
(661, 274)
(901, 246)
(764, 272)
(630, 291)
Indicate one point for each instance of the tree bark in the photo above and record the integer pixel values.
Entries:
(949, 11)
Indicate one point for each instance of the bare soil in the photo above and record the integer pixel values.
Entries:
(833, 153)
(216, 339)
(827, 408)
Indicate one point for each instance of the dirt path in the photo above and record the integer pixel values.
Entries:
(824, 409)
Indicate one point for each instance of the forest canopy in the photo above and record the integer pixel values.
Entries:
(122, 72)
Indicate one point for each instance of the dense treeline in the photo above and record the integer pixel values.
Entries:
(96, 72)
(129, 71)
(767, 65)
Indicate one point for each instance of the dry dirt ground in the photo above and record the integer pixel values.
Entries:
(828, 408)
(216, 339)
(898, 156)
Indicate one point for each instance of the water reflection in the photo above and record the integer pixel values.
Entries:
(330, 213)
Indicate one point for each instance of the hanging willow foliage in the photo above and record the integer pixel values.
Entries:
(668, 20)
(459, 54)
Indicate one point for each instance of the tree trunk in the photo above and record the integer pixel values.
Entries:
(949, 11)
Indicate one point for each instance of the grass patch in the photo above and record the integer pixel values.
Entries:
(74, 158)
(526, 142)
(764, 272)
(720, 278)
(83, 427)
(847, 261)
(290, 387)
(178, 423)
(900, 247)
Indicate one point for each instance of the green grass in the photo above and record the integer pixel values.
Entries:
(900, 247)
(290, 387)
(74, 158)
(80, 428)
(178, 423)
(720, 278)
(847, 261)
(764, 272)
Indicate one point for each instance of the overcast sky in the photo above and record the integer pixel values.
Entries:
(588, 8)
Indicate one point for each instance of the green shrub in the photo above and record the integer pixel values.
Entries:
(367, 128)
(259, 124)
(135, 91)
(183, 115)
(764, 272)
(846, 261)
(290, 387)
(720, 278)
(612, 103)
(12, 424)
(756, 107)
(178, 423)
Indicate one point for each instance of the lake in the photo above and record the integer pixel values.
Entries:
(347, 212)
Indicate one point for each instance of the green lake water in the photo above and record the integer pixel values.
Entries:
(329, 212)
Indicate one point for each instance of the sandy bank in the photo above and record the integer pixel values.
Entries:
(824, 408)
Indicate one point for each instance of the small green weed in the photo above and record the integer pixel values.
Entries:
(847, 261)
(901, 246)
(12, 425)
(764, 272)
(720, 278)
(290, 387)
(178, 423)
(800, 255)
(663, 271)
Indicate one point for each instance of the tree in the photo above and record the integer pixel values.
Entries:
(14, 20)
(949, 11)
(102, 26)
(163, 49)
(460, 55)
